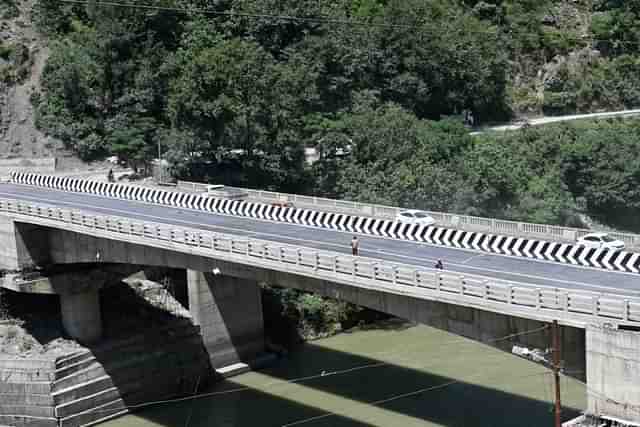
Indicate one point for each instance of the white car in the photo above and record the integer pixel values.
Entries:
(413, 216)
(600, 240)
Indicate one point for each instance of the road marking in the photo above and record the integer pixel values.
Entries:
(472, 258)
(409, 243)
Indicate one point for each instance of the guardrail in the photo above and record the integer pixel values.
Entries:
(504, 296)
(464, 222)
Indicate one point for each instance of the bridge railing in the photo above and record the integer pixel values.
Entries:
(464, 222)
(480, 291)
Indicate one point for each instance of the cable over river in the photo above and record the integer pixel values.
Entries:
(395, 375)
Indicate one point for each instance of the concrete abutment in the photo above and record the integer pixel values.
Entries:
(24, 246)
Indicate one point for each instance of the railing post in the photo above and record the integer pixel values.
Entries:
(438, 282)
(509, 294)
(595, 301)
(538, 293)
(354, 267)
(462, 283)
(485, 289)
(316, 260)
(248, 248)
(394, 272)
(335, 264)
(416, 278)
(625, 310)
(374, 271)
(298, 255)
(565, 303)
(281, 253)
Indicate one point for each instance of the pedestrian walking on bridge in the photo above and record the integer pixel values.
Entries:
(355, 246)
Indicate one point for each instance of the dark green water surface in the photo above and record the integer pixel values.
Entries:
(399, 376)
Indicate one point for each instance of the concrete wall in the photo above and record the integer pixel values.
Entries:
(69, 247)
(229, 313)
(21, 245)
(87, 386)
(25, 392)
(613, 374)
(40, 165)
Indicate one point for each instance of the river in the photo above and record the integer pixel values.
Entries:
(389, 376)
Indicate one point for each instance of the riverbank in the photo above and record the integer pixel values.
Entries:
(395, 375)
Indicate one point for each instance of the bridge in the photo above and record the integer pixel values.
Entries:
(492, 284)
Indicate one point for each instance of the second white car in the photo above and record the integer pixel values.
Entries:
(600, 240)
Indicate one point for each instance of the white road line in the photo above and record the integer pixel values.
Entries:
(472, 258)
(198, 213)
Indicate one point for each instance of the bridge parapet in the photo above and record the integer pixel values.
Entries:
(570, 307)
(463, 222)
(501, 243)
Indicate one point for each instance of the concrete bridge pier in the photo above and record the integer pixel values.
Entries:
(613, 374)
(81, 315)
(229, 312)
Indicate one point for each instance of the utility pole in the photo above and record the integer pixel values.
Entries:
(556, 372)
(160, 177)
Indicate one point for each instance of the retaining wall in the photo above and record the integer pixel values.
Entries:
(41, 165)
(103, 382)
(25, 392)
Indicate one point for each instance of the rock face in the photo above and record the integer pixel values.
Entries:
(25, 59)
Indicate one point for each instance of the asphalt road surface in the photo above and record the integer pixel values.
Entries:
(517, 269)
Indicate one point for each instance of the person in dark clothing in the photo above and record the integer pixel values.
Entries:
(110, 176)
(439, 265)
(354, 246)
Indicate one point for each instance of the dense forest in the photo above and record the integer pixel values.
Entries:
(235, 90)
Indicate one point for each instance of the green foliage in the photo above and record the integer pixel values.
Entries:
(8, 9)
(236, 99)
(15, 62)
(292, 315)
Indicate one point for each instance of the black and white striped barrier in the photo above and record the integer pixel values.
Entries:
(492, 243)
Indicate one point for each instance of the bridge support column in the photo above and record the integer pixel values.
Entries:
(613, 374)
(229, 313)
(81, 316)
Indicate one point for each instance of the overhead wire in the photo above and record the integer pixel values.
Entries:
(279, 383)
(206, 11)
(403, 395)
(310, 19)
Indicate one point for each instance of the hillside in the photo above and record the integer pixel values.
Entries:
(234, 91)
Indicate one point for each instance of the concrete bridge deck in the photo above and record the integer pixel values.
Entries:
(462, 261)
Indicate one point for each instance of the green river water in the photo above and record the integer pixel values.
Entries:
(399, 376)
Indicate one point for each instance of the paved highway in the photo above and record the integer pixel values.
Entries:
(419, 254)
